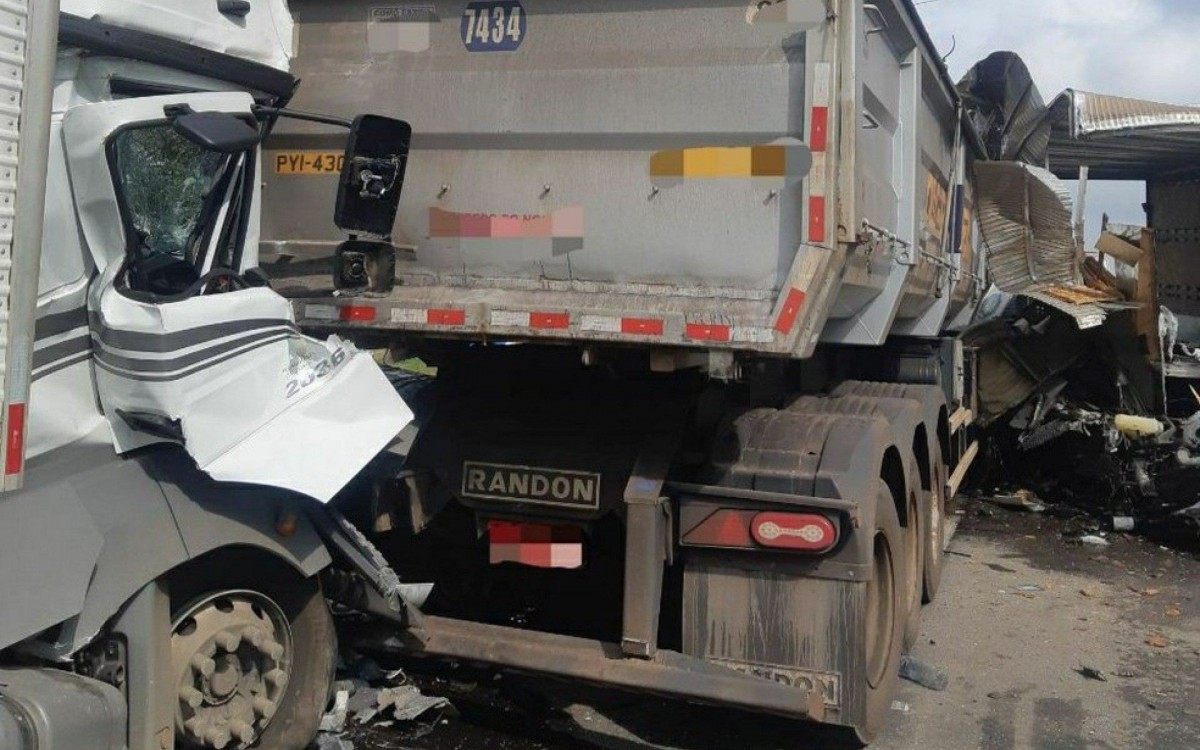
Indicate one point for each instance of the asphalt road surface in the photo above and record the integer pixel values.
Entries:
(1050, 645)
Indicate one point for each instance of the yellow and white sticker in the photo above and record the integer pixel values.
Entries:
(307, 162)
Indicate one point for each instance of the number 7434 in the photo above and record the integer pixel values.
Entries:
(494, 25)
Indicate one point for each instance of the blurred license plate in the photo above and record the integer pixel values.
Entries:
(535, 544)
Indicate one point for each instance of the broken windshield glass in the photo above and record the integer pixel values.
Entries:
(167, 183)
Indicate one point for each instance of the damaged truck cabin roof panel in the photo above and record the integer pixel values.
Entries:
(670, 173)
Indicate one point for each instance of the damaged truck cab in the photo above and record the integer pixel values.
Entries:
(171, 436)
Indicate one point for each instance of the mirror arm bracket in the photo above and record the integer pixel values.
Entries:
(264, 112)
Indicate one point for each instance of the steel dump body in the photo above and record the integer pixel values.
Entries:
(671, 172)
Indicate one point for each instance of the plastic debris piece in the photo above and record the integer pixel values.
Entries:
(901, 706)
(333, 742)
(1124, 523)
(407, 703)
(1020, 500)
(1094, 540)
(364, 705)
(335, 719)
(925, 675)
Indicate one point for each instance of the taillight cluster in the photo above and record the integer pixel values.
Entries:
(812, 533)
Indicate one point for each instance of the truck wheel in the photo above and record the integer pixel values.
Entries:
(914, 566)
(884, 621)
(253, 649)
(935, 529)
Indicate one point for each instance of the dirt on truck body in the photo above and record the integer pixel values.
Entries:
(682, 279)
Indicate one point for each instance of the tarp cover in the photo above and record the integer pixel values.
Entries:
(1007, 109)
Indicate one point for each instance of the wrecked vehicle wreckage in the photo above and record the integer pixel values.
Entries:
(1087, 377)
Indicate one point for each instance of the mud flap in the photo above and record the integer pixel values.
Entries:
(778, 625)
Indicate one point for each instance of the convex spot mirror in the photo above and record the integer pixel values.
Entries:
(223, 132)
(373, 175)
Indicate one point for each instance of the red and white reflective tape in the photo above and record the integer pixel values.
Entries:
(790, 312)
(14, 448)
(708, 332)
(537, 321)
(429, 317)
(818, 141)
(623, 325)
(752, 335)
(344, 313)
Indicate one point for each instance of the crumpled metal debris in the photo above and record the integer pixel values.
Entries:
(369, 697)
(407, 703)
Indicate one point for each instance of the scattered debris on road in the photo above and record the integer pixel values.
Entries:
(923, 674)
(1091, 673)
(367, 698)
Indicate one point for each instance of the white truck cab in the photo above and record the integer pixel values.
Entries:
(171, 438)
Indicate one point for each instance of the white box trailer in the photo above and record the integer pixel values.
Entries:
(670, 173)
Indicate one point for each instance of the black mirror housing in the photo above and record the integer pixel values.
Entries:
(223, 132)
(373, 175)
(366, 266)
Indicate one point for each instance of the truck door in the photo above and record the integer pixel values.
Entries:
(190, 345)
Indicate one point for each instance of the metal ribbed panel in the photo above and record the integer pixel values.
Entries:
(1120, 138)
(14, 21)
(1026, 218)
(1096, 113)
(28, 30)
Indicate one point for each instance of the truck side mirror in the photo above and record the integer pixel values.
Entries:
(222, 132)
(373, 175)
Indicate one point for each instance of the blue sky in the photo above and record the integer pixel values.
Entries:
(1148, 49)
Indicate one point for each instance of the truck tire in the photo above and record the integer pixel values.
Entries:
(253, 651)
(915, 540)
(935, 528)
(883, 621)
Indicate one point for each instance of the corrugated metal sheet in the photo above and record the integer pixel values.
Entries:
(1122, 138)
(1025, 215)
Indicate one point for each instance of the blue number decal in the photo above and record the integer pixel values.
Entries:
(494, 25)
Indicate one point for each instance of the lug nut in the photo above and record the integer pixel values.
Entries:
(218, 737)
(229, 641)
(204, 665)
(191, 696)
(256, 637)
(264, 708)
(195, 726)
(243, 731)
(273, 649)
(277, 677)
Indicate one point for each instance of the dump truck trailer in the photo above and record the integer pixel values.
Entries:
(164, 559)
(683, 280)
